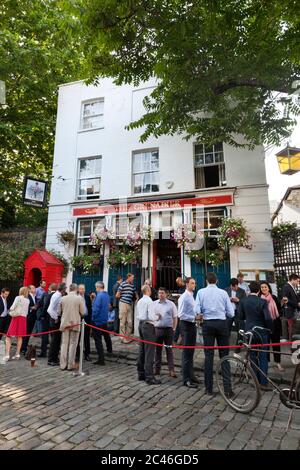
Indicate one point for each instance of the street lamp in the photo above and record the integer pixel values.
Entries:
(288, 160)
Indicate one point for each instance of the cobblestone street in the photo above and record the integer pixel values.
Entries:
(45, 408)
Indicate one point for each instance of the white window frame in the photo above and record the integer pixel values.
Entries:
(82, 117)
(137, 152)
(220, 163)
(86, 197)
(84, 240)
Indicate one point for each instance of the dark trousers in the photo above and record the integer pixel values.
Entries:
(164, 336)
(30, 320)
(117, 321)
(177, 331)
(97, 335)
(215, 330)
(4, 324)
(275, 338)
(45, 324)
(55, 341)
(146, 351)
(189, 333)
(261, 360)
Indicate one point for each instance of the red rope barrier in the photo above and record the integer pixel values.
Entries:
(42, 333)
(177, 346)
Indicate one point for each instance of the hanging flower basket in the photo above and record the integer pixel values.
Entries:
(87, 264)
(286, 230)
(213, 257)
(233, 232)
(183, 234)
(123, 257)
(103, 235)
(66, 237)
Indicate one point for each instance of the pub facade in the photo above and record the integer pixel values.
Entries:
(106, 181)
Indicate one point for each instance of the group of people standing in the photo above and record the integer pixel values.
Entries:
(240, 305)
(38, 310)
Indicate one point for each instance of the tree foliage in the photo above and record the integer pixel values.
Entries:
(220, 64)
(39, 51)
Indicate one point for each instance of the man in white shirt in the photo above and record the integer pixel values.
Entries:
(186, 313)
(146, 318)
(53, 311)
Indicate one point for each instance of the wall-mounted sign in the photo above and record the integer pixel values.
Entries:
(35, 192)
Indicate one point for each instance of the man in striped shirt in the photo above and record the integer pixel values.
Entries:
(127, 295)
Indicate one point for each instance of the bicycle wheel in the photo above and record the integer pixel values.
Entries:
(238, 384)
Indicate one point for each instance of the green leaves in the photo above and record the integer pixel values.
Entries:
(37, 54)
(220, 64)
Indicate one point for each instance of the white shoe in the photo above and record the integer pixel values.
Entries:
(16, 356)
(5, 359)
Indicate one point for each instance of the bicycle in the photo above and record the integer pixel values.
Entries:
(238, 383)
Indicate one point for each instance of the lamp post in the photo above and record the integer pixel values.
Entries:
(289, 160)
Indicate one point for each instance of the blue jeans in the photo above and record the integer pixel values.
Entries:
(260, 358)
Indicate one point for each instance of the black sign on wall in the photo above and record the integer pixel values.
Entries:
(34, 192)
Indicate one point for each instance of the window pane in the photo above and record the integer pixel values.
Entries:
(95, 107)
(89, 187)
(99, 223)
(89, 167)
(218, 147)
(155, 181)
(209, 158)
(98, 166)
(146, 183)
(138, 182)
(154, 161)
(85, 228)
(199, 148)
(90, 122)
(199, 159)
(219, 157)
(146, 161)
(137, 163)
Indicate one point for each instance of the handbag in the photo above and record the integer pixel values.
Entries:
(17, 310)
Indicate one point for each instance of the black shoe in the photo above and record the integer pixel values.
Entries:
(141, 378)
(195, 380)
(87, 358)
(109, 353)
(42, 355)
(209, 392)
(153, 381)
(266, 388)
(53, 363)
(229, 394)
(99, 363)
(190, 384)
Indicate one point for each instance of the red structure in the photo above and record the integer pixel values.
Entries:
(42, 265)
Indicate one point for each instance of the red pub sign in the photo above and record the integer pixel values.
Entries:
(154, 206)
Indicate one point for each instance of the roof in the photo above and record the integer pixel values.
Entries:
(285, 197)
(47, 257)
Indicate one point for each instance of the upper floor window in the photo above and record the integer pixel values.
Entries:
(92, 114)
(89, 178)
(146, 172)
(209, 166)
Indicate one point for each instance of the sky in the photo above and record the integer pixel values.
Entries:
(278, 183)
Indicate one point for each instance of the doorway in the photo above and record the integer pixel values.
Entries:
(168, 263)
(35, 277)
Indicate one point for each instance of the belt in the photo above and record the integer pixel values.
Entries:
(215, 319)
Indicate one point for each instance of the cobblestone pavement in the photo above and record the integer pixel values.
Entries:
(45, 408)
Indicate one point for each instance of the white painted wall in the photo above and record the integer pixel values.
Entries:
(288, 213)
(244, 168)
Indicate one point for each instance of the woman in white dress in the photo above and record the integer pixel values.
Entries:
(18, 324)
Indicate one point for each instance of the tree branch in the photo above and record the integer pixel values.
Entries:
(254, 83)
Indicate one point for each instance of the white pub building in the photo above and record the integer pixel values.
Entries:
(103, 176)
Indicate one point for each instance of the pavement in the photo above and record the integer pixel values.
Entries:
(43, 408)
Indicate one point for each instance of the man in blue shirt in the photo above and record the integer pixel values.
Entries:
(100, 312)
(215, 306)
(186, 314)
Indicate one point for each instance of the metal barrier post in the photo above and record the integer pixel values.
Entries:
(80, 371)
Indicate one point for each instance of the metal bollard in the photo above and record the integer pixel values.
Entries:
(80, 371)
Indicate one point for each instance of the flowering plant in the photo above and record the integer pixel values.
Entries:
(213, 257)
(137, 235)
(284, 230)
(233, 232)
(102, 235)
(86, 263)
(184, 233)
(123, 257)
(66, 238)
